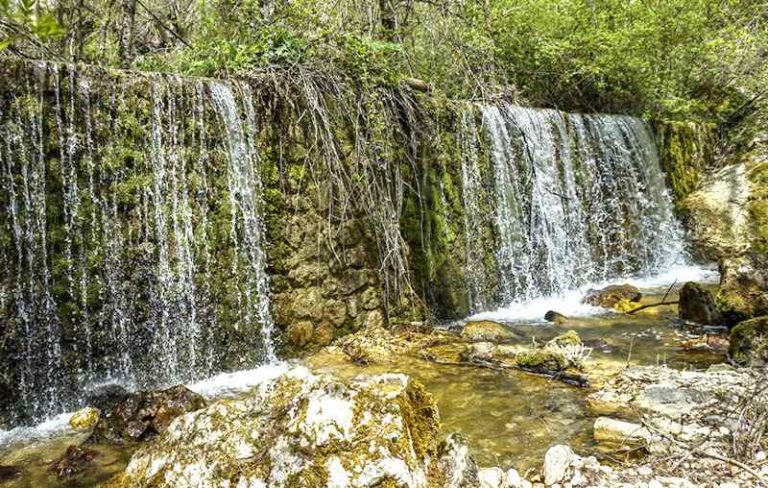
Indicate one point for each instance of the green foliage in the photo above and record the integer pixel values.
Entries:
(30, 16)
(675, 58)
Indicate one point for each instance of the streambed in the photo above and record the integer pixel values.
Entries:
(510, 418)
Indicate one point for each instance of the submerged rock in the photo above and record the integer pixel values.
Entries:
(609, 296)
(485, 330)
(75, 460)
(698, 305)
(301, 429)
(143, 415)
(749, 341)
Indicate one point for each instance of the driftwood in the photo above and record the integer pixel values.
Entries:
(711, 455)
(651, 305)
(662, 302)
(567, 378)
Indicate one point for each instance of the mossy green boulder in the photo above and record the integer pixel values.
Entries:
(609, 296)
(743, 292)
(749, 341)
(486, 330)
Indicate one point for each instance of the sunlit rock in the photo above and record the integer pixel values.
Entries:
(557, 464)
(301, 429)
(609, 296)
(620, 433)
(143, 415)
(84, 419)
(457, 464)
(485, 330)
(716, 215)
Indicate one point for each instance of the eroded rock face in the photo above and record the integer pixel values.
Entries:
(698, 305)
(300, 429)
(743, 292)
(143, 415)
(609, 296)
(716, 215)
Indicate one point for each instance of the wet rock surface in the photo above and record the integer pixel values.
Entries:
(698, 305)
(75, 460)
(486, 330)
(611, 295)
(85, 418)
(143, 415)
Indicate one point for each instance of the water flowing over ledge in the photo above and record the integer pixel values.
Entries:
(574, 199)
(570, 303)
(160, 230)
(155, 181)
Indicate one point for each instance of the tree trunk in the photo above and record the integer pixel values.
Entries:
(125, 49)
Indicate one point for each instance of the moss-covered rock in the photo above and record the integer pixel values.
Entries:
(743, 291)
(698, 305)
(300, 430)
(749, 341)
(84, 419)
(609, 296)
(686, 152)
(486, 330)
(570, 338)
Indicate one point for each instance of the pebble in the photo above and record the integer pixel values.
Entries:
(760, 456)
(644, 471)
(655, 484)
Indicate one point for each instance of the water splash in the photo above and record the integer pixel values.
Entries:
(112, 192)
(577, 199)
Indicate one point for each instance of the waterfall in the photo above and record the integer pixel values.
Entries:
(245, 191)
(132, 234)
(576, 199)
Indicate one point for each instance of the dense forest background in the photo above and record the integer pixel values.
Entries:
(701, 59)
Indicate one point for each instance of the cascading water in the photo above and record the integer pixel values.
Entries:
(119, 213)
(577, 199)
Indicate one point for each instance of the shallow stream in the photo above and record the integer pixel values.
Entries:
(510, 418)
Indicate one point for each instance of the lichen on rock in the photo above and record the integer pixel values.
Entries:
(300, 429)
